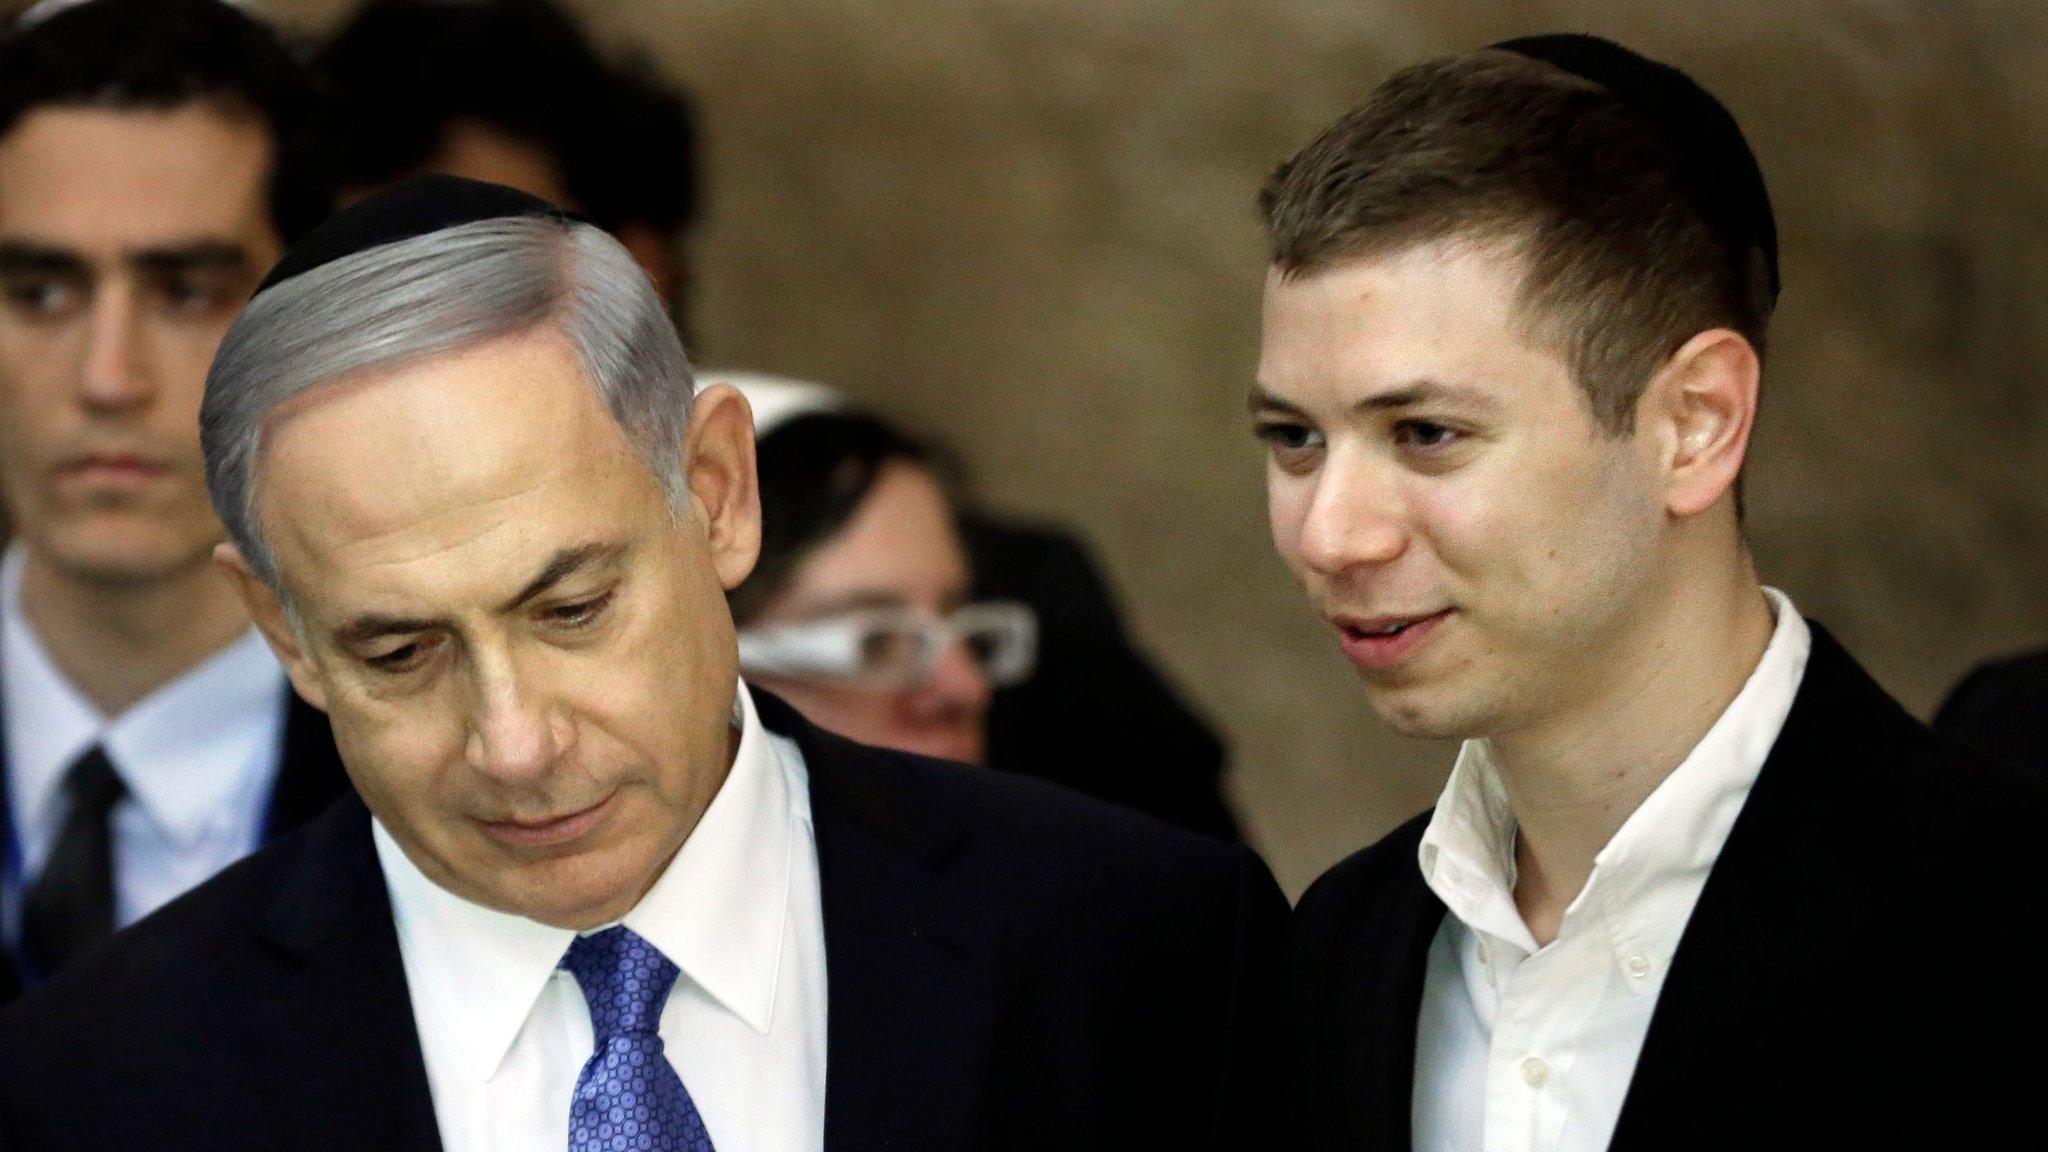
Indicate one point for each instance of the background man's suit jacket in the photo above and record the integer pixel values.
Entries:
(2000, 710)
(309, 779)
(1855, 974)
(1009, 965)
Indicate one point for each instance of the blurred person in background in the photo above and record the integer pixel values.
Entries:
(513, 92)
(2000, 710)
(866, 614)
(1695, 880)
(155, 158)
(857, 612)
(510, 91)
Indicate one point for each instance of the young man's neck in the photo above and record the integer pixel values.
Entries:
(118, 642)
(1573, 782)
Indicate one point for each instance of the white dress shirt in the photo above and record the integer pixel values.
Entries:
(505, 1034)
(1522, 1048)
(199, 757)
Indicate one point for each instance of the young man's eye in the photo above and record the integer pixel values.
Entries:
(1289, 443)
(41, 296)
(195, 295)
(1425, 434)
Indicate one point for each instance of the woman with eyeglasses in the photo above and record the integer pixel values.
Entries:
(857, 611)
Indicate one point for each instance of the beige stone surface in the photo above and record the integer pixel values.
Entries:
(1025, 227)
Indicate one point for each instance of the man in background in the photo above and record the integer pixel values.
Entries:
(511, 91)
(155, 158)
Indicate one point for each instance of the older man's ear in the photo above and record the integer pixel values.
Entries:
(269, 614)
(725, 495)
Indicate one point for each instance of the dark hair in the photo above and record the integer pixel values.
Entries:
(1622, 266)
(815, 471)
(402, 71)
(161, 54)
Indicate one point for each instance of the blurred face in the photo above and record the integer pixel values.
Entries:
(900, 550)
(129, 240)
(526, 655)
(1437, 483)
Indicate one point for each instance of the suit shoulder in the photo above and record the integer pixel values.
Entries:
(169, 965)
(1361, 879)
(1054, 824)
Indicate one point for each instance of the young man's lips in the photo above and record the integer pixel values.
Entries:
(114, 467)
(549, 832)
(1384, 641)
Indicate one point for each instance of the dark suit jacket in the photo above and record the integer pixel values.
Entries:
(2001, 711)
(309, 779)
(1096, 716)
(1009, 966)
(1851, 977)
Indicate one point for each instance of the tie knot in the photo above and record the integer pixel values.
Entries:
(625, 979)
(92, 783)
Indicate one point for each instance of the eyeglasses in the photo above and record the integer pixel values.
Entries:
(887, 649)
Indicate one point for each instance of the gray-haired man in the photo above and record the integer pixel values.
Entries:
(602, 896)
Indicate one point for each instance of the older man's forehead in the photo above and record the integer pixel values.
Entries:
(474, 450)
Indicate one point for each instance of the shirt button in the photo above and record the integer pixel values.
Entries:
(1637, 966)
(1535, 1072)
(1482, 953)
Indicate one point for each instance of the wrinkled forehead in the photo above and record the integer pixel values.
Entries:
(478, 457)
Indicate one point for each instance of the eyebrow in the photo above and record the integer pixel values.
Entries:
(562, 565)
(1407, 395)
(23, 258)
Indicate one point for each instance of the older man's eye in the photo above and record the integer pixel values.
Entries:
(405, 658)
(581, 614)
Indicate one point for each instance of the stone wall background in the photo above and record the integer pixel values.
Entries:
(1025, 227)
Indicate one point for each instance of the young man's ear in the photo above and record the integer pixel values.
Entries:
(1703, 405)
(725, 494)
(268, 613)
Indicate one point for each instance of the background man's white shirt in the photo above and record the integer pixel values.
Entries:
(1523, 1048)
(199, 757)
(505, 1034)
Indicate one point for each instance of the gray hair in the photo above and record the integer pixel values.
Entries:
(432, 295)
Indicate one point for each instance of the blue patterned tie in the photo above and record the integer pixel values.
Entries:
(628, 1098)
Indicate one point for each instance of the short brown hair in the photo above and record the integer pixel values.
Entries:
(1622, 266)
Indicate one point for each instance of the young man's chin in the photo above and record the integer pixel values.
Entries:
(1426, 712)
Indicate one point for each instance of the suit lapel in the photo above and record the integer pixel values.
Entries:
(1385, 966)
(333, 1044)
(310, 776)
(1784, 891)
(910, 957)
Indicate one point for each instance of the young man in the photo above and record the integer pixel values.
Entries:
(153, 162)
(595, 882)
(1695, 880)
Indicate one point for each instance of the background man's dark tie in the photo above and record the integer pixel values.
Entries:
(70, 907)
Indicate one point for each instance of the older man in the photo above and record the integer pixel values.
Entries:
(601, 895)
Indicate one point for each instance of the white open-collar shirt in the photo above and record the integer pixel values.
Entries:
(198, 756)
(1522, 1048)
(505, 1033)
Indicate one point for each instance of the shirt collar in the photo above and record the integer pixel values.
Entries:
(184, 751)
(717, 911)
(1644, 882)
